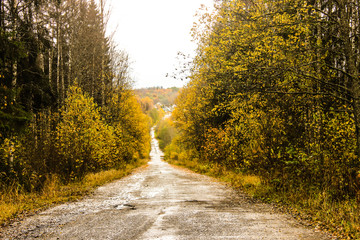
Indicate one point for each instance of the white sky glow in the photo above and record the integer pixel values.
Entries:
(152, 33)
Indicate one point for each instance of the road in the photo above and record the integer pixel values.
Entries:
(162, 202)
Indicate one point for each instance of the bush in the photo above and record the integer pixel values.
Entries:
(165, 132)
(79, 139)
(131, 126)
(84, 142)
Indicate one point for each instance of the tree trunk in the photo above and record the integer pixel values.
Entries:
(1, 14)
(14, 74)
(346, 30)
(58, 64)
(51, 53)
(14, 22)
(62, 69)
(93, 75)
(59, 50)
(102, 54)
(70, 81)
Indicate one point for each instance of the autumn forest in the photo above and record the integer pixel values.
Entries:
(274, 93)
(66, 104)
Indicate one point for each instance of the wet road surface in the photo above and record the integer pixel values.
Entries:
(162, 202)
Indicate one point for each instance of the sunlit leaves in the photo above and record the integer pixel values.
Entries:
(261, 97)
(84, 140)
(131, 126)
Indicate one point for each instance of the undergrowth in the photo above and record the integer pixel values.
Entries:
(341, 218)
(15, 203)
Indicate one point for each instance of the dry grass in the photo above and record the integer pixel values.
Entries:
(317, 209)
(235, 179)
(14, 204)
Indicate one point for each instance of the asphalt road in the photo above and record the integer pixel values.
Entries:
(162, 202)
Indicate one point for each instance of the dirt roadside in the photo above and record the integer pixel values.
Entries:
(162, 202)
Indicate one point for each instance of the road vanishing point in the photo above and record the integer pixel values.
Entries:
(161, 201)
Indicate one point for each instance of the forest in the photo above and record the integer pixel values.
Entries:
(151, 96)
(157, 102)
(66, 104)
(275, 93)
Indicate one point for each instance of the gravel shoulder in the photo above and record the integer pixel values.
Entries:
(162, 202)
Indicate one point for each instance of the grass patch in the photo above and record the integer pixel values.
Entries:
(341, 218)
(14, 204)
(235, 179)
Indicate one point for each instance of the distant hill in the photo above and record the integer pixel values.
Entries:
(165, 96)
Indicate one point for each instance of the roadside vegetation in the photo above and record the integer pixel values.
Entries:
(69, 120)
(165, 132)
(341, 218)
(157, 103)
(273, 105)
(154, 95)
(61, 159)
(17, 204)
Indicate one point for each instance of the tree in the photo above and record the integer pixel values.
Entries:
(46, 47)
(85, 142)
(277, 82)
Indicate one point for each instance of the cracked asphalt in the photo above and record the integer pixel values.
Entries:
(162, 202)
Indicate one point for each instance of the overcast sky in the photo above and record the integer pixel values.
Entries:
(152, 32)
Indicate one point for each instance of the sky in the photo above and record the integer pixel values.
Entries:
(152, 33)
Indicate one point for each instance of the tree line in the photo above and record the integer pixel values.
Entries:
(275, 91)
(66, 104)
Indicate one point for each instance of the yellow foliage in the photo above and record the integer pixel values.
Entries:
(84, 142)
(131, 126)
